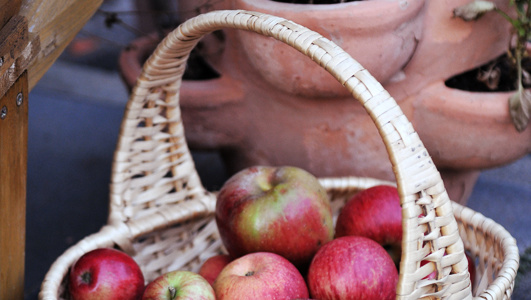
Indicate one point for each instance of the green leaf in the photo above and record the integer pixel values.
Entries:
(520, 7)
(473, 10)
(520, 109)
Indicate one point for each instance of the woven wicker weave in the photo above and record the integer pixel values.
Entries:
(161, 214)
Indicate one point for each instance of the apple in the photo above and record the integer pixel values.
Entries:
(211, 267)
(283, 210)
(352, 267)
(105, 273)
(374, 213)
(260, 275)
(179, 285)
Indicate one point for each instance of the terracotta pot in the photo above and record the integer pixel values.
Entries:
(270, 105)
(381, 35)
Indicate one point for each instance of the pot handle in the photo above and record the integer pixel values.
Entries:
(211, 92)
(152, 145)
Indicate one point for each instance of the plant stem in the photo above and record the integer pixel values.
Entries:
(519, 66)
(522, 32)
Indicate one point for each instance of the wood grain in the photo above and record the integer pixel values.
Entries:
(20, 65)
(13, 162)
(13, 39)
(8, 8)
(13, 152)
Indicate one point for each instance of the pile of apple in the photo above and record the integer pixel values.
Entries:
(277, 226)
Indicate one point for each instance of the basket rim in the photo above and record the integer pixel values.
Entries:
(119, 235)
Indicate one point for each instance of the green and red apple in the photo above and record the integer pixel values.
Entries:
(283, 210)
(179, 285)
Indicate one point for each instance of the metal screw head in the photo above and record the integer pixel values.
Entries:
(20, 98)
(3, 112)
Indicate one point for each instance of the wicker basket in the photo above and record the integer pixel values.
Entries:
(162, 215)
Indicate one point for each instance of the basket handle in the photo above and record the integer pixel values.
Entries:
(430, 230)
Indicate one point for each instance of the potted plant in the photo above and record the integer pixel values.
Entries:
(269, 105)
(511, 65)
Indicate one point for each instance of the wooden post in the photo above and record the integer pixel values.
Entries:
(13, 166)
(16, 50)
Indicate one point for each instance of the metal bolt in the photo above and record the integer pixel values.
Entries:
(20, 98)
(3, 112)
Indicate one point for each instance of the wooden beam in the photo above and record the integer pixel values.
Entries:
(17, 49)
(13, 40)
(20, 65)
(55, 23)
(13, 166)
(8, 8)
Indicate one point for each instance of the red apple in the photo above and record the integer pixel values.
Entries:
(211, 268)
(374, 213)
(283, 210)
(352, 267)
(106, 273)
(260, 275)
(179, 285)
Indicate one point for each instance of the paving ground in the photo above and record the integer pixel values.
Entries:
(75, 113)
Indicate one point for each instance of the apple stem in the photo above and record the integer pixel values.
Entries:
(250, 273)
(264, 185)
(86, 277)
(173, 292)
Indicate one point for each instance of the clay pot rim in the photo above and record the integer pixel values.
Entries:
(366, 14)
(320, 7)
